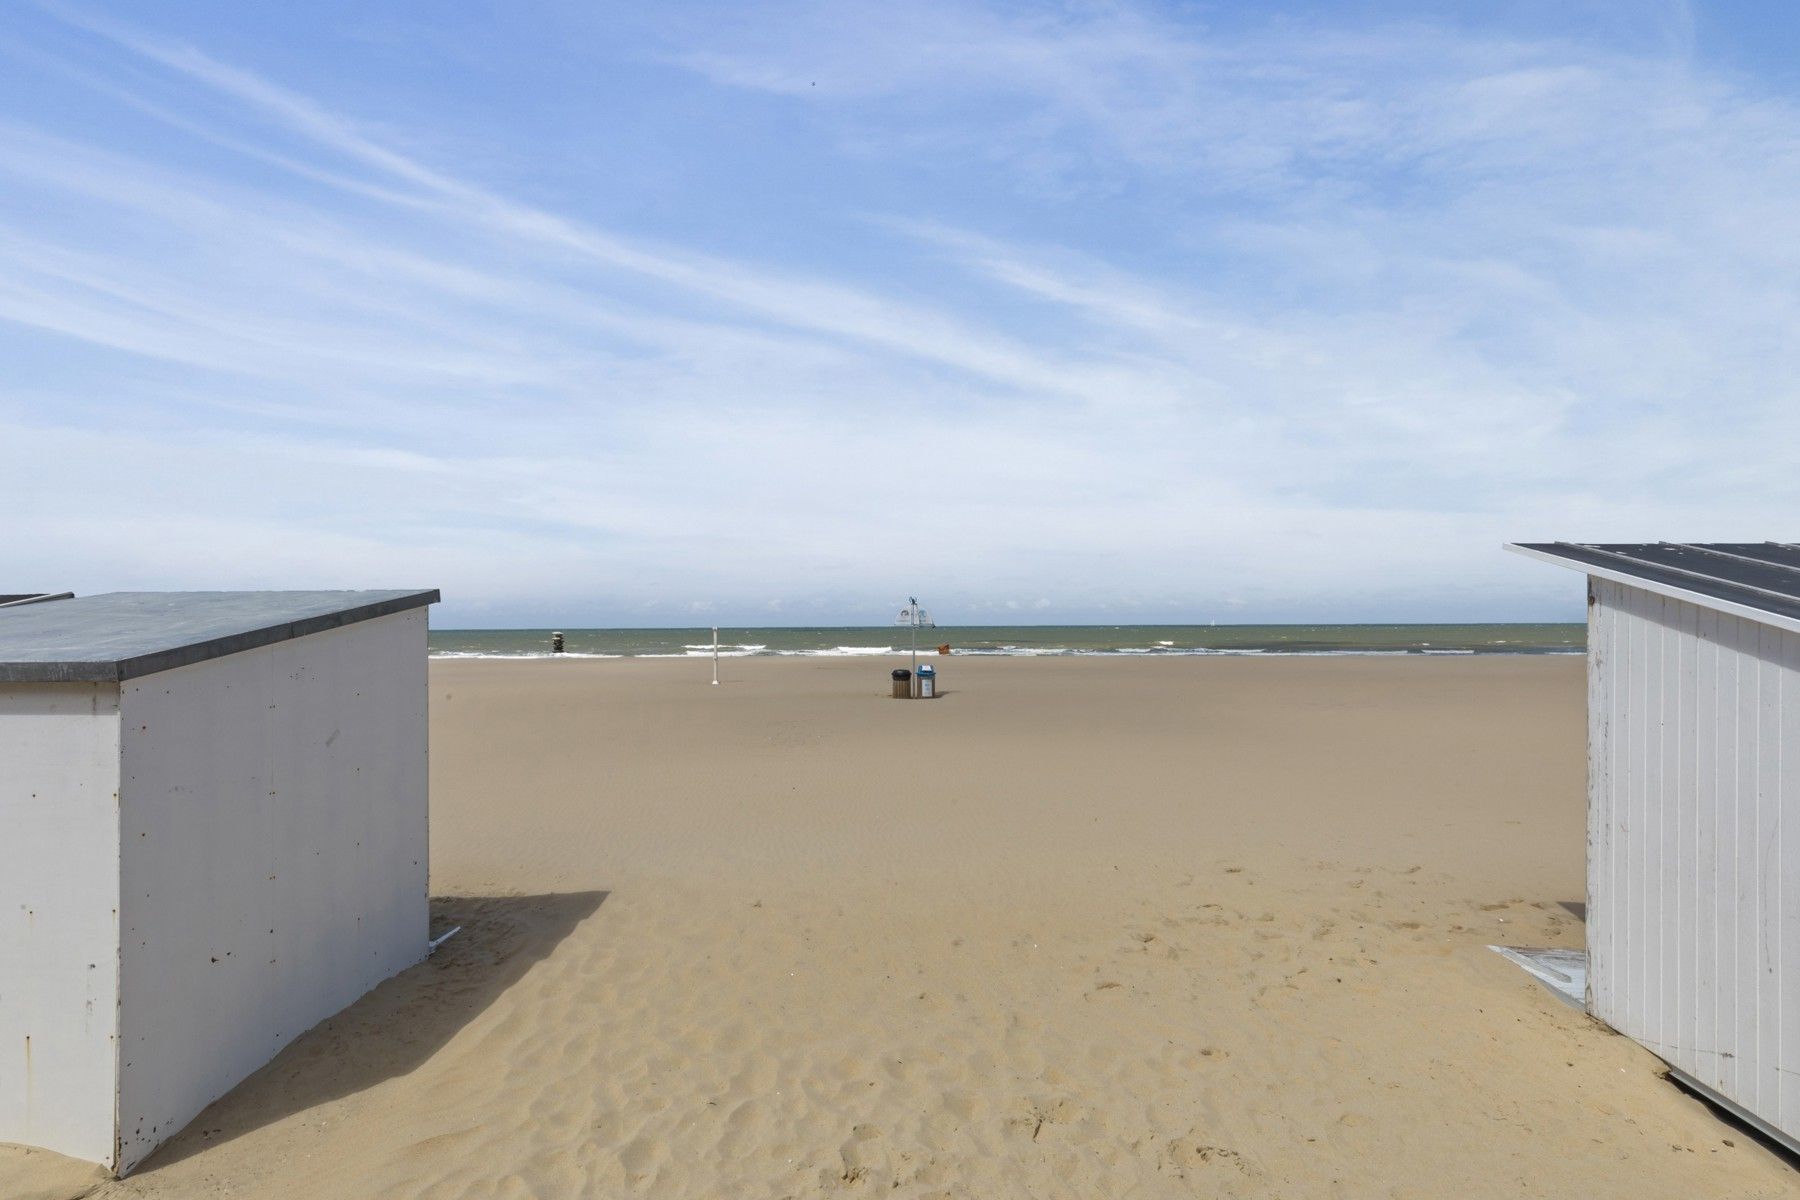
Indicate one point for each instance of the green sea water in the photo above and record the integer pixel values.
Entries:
(1020, 640)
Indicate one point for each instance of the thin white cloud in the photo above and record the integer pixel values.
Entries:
(806, 304)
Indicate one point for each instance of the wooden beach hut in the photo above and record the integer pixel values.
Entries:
(212, 836)
(1693, 906)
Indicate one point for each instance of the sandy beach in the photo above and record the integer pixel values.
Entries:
(1080, 927)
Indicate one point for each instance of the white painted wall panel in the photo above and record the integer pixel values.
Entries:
(1693, 929)
(273, 856)
(59, 904)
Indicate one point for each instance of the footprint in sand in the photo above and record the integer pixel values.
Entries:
(1031, 1119)
(864, 1154)
(1189, 1153)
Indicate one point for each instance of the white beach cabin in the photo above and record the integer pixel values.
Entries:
(213, 821)
(1693, 906)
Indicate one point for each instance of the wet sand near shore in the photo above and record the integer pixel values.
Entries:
(1080, 927)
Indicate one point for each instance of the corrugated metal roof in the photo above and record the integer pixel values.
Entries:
(122, 635)
(1749, 578)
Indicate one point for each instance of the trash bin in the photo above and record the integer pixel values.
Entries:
(927, 681)
(903, 684)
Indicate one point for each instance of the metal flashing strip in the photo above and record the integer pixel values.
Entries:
(1687, 1082)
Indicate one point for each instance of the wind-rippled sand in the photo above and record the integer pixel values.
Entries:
(1078, 928)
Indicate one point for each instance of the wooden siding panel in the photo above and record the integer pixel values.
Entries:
(1694, 935)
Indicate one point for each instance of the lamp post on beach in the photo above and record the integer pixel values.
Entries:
(914, 616)
(715, 656)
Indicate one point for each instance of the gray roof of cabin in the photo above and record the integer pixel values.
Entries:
(122, 635)
(1760, 575)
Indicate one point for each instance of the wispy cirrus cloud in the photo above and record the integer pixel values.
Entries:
(1270, 317)
(812, 305)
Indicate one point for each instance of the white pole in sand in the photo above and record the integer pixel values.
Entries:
(715, 656)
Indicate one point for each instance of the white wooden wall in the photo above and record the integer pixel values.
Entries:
(1693, 917)
(59, 915)
(272, 856)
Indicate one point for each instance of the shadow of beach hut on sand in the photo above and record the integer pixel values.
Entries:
(398, 1025)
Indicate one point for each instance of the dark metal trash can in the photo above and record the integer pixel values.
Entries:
(902, 684)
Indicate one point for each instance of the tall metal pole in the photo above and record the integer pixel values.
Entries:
(715, 656)
(914, 622)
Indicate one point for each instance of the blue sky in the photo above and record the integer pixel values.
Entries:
(767, 314)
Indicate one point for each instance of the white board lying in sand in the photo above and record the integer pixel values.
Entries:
(1564, 972)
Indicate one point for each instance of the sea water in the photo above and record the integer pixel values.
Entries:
(1018, 640)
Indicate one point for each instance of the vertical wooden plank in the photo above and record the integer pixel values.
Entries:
(1787, 1057)
(1725, 858)
(1750, 832)
(1749, 836)
(1599, 776)
(1622, 893)
(1603, 893)
(1706, 816)
(1768, 870)
(1602, 898)
(1624, 888)
(1631, 979)
(1669, 841)
(1653, 993)
(1656, 676)
(1681, 947)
